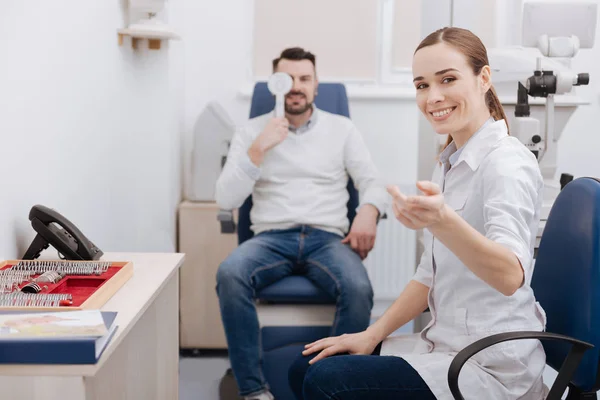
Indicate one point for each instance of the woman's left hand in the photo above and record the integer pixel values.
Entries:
(420, 211)
(354, 343)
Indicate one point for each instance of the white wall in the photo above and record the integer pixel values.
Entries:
(218, 61)
(580, 141)
(87, 127)
(218, 55)
(349, 24)
(387, 118)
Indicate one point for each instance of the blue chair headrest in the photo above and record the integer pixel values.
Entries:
(331, 97)
(566, 278)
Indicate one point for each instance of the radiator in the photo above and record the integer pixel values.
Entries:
(392, 262)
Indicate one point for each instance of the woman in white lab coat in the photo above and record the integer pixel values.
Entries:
(480, 215)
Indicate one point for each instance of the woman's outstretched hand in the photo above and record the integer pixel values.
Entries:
(420, 211)
(354, 343)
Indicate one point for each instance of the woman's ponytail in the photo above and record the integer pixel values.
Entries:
(493, 104)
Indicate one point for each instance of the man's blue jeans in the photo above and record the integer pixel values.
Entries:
(271, 256)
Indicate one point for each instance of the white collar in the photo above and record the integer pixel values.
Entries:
(478, 145)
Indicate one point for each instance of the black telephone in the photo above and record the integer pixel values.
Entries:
(54, 229)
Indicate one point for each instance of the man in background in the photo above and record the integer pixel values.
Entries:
(296, 168)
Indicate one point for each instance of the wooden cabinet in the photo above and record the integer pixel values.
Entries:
(205, 247)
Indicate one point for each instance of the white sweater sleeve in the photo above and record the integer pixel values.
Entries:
(239, 174)
(363, 172)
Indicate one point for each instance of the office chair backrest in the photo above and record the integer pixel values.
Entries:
(332, 98)
(566, 278)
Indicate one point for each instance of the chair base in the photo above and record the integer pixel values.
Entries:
(202, 352)
(282, 345)
(285, 329)
(276, 364)
(576, 394)
(228, 389)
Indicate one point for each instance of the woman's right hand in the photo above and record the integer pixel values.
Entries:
(419, 211)
(354, 343)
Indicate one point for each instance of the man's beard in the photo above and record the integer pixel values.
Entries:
(297, 110)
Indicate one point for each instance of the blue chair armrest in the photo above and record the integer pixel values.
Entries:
(567, 370)
(225, 217)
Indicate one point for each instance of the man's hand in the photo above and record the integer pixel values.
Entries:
(363, 230)
(274, 133)
(421, 211)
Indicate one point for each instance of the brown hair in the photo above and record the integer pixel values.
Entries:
(471, 47)
(297, 54)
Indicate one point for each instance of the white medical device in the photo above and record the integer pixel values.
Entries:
(552, 34)
(279, 85)
(213, 131)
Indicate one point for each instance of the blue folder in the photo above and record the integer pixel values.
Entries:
(76, 350)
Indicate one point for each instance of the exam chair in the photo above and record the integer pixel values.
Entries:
(566, 282)
(293, 311)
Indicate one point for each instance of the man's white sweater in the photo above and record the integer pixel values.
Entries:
(303, 179)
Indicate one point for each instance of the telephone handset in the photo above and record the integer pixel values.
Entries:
(54, 229)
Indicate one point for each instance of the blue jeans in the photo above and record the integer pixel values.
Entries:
(271, 256)
(357, 377)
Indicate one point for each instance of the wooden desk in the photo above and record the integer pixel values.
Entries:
(142, 359)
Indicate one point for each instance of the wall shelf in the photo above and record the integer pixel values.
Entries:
(154, 37)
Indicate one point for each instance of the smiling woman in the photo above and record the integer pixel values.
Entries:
(453, 84)
(479, 215)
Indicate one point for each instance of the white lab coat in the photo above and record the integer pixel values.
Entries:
(496, 186)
